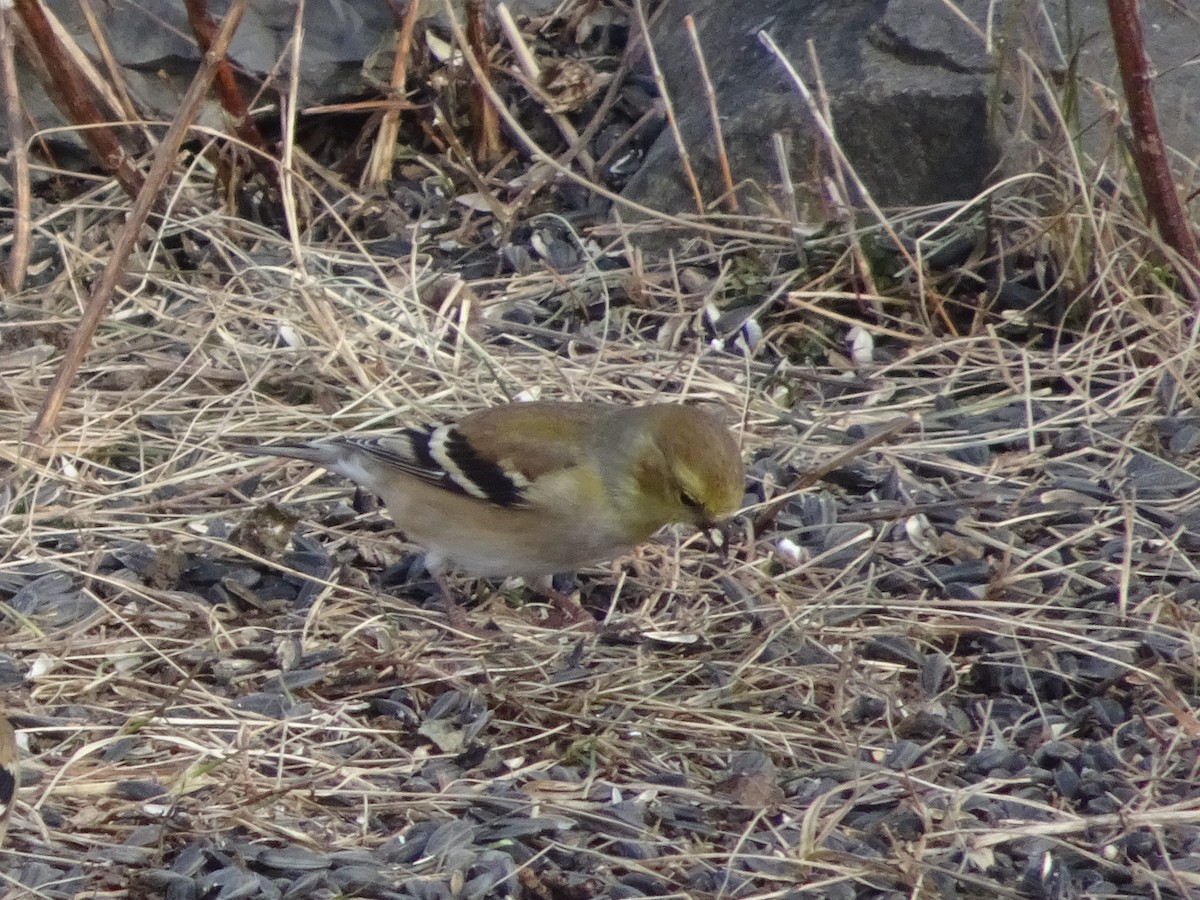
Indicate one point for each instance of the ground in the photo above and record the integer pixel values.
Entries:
(951, 650)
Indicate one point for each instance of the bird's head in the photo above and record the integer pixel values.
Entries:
(688, 467)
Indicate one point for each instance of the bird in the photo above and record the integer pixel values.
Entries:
(538, 488)
(10, 777)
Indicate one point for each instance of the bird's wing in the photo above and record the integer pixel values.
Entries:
(493, 455)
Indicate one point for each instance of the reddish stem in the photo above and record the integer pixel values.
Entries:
(70, 89)
(1149, 151)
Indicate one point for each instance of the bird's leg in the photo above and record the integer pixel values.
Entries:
(437, 566)
(455, 614)
(569, 612)
(572, 612)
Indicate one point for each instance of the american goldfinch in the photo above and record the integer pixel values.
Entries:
(534, 489)
(9, 776)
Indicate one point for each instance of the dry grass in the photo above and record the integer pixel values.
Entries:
(748, 727)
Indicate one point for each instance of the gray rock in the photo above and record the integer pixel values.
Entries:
(909, 86)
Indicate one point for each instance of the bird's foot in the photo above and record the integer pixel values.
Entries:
(567, 612)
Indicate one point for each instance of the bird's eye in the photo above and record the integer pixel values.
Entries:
(689, 501)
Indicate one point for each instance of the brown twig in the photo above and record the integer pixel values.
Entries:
(532, 71)
(232, 101)
(710, 94)
(449, 137)
(1149, 151)
(526, 141)
(110, 63)
(840, 185)
(629, 135)
(164, 160)
(488, 146)
(18, 258)
(539, 179)
(69, 88)
(818, 107)
(104, 92)
(684, 157)
(767, 515)
(379, 166)
(787, 189)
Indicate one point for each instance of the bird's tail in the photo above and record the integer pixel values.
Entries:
(313, 453)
